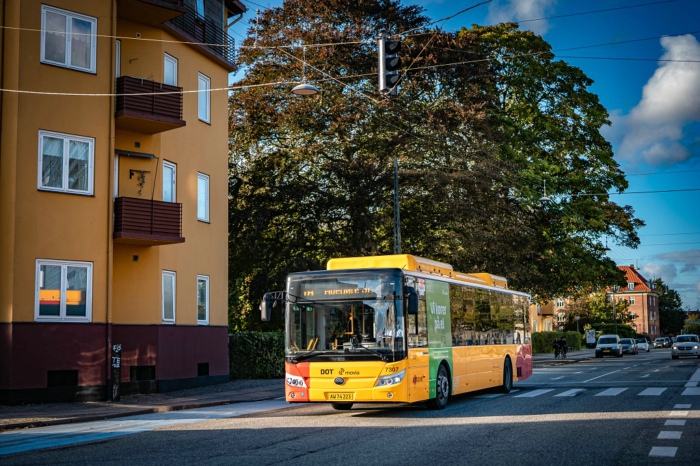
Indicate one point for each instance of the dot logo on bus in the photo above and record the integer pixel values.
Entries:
(326, 371)
(339, 381)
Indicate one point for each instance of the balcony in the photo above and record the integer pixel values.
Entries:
(147, 106)
(145, 222)
(206, 35)
(150, 12)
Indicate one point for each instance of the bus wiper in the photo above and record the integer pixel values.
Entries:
(383, 357)
(301, 357)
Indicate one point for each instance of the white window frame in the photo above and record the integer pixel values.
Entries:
(631, 300)
(630, 286)
(62, 317)
(67, 139)
(172, 60)
(560, 302)
(204, 98)
(171, 275)
(205, 279)
(202, 197)
(173, 182)
(118, 59)
(68, 38)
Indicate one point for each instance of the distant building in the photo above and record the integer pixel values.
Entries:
(643, 301)
(113, 196)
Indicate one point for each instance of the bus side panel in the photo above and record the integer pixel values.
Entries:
(465, 377)
(523, 363)
(418, 376)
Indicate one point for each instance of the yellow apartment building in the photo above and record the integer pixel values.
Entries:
(113, 196)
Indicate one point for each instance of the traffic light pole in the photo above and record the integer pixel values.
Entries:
(397, 217)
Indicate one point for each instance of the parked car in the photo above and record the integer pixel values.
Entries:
(608, 345)
(629, 345)
(642, 344)
(686, 345)
(660, 343)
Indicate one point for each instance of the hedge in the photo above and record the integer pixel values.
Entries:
(542, 341)
(256, 355)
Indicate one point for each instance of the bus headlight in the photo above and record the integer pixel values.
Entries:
(392, 379)
(294, 380)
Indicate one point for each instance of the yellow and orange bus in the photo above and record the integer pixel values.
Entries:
(399, 328)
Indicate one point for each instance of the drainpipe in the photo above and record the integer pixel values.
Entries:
(110, 211)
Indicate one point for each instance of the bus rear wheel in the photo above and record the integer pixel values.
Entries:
(507, 385)
(442, 389)
(341, 406)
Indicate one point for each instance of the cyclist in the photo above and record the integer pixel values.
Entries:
(555, 345)
(562, 347)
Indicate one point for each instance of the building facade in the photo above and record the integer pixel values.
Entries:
(113, 196)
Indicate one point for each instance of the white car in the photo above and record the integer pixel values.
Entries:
(686, 345)
(608, 345)
(642, 344)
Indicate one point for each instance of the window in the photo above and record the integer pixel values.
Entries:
(202, 197)
(66, 163)
(204, 98)
(631, 301)
(560, 302)
(561, 317)
(169, 181)
(170, 71)
(202, 299)
(200, 8)
(68, 39)
(63, 291)
(118, 58)
(630, 286)
(168, 296)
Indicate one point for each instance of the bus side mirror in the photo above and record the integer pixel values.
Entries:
(266, 307)
(411, 300)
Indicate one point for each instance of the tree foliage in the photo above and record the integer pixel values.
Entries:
(484, 117)
(671, 316)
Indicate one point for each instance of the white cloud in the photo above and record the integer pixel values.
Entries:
(653, 130)
(664, 271)
(502, 11)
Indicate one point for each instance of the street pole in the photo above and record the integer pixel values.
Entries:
(397, 218)
(614, 309)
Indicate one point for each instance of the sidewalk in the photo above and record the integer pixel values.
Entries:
(48, 414)
(236, 391)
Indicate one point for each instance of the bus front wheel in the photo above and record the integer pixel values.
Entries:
(442, 389)
(507, 385)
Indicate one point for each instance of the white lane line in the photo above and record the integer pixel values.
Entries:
(611, 392)
(600, 376)
(695, 377)
(682, 406)
(572, 392)
(669, 452)
(656, 391)
(557, 378)
(678, 414)
(645, 376)
(534, 393)
(691, 391)
(669, 435)
(675, 422)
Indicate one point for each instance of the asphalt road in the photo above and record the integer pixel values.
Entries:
(639, 409)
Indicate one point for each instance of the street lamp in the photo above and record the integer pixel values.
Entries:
(614, 289)
(304, 88)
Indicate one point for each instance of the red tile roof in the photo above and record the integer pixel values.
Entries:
(632, 275)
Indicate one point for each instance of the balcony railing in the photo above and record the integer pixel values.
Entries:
(206, 34)
(147, 106)
(147, 222)
(150, 12)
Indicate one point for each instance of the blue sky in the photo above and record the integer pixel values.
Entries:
(644, 58)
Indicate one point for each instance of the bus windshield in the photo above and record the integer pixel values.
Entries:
(357, 315)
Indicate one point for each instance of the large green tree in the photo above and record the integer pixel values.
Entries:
(671, 316)
(483, 118)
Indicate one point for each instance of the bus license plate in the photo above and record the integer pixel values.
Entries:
(341, 396)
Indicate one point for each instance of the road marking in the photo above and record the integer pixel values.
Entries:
(645, 376)
(669, 435)
(534, 393)
(656, 391)
(682, 406)
(675, 422)
(572, 392)
(691, 391)
(668, 452)
(678, 414)
(611, 392)
(600, 376)
(557, 378)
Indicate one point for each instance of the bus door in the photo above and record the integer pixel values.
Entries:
(418, 375)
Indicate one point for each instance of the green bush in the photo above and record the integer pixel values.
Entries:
(256, 355)
(542, 341)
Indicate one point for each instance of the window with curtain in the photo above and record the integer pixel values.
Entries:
(202, 197)
(63, 291)
(66, 163)
(204, 98)
(68, 39)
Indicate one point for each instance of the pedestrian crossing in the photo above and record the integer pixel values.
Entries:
(608, 392)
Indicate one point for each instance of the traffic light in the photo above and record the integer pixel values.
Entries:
(389, 63)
